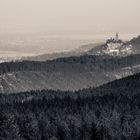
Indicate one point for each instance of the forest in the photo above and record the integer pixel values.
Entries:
(109, 112)
(79, 64)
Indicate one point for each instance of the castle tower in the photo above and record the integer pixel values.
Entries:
(117, 37)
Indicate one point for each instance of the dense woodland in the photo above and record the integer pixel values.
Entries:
(79, 64)
(110, 112)
(135, 41)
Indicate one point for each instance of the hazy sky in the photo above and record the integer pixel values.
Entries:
(98, 16)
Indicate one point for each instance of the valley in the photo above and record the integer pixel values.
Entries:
(71, 73)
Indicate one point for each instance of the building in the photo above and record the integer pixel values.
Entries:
(117, 37)
(114, 40)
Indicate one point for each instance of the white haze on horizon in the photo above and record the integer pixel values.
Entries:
(26, 26)
(61, 16)
(17, 45)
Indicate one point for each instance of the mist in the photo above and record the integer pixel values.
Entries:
(70, 16)
(30, 27)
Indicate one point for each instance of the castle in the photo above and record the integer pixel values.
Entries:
(115, 47)
(114, 40)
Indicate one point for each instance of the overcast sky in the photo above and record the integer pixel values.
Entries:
(98, 16)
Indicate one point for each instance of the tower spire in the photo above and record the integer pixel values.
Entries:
(117, 37)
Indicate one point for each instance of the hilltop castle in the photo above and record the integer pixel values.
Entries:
(114, 40)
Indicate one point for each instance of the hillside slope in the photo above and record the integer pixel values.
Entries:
(114, 47)
(111, 47)
(66, 73)
(76, 52)
(109, 112)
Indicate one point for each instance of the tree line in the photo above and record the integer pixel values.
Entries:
(110, 112)
(79, 64)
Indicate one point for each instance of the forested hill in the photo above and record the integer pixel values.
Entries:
(114, 47)
(71, 73)
(134, 41)
(79, 64)
(109, 112)
(128, 86)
